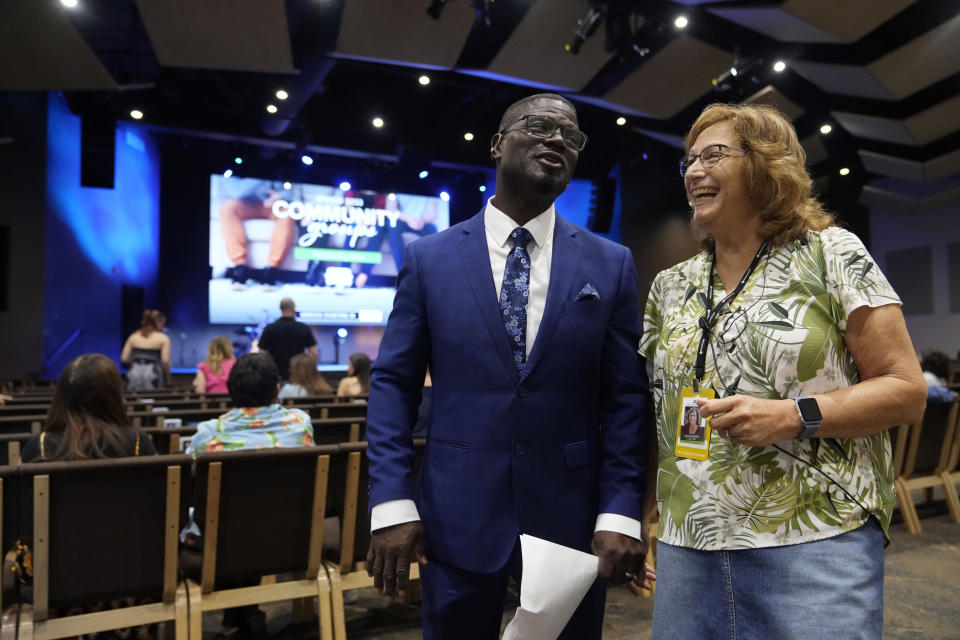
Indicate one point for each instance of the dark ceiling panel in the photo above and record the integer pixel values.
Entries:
(40, 50)
(235, 35)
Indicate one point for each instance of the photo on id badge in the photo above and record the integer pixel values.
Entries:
(693, 427)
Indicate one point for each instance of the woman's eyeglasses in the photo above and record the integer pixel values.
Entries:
(709, 156)
(544, 127)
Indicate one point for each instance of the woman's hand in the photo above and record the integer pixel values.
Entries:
(754, 422)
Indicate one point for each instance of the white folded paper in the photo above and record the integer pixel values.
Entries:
(555, 579)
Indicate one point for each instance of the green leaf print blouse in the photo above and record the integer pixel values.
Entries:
(781, 337)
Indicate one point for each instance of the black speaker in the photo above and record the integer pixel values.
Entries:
(601, 205)
(97, 152)
(131, 310)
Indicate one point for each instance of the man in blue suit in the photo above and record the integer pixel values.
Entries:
(530, 327)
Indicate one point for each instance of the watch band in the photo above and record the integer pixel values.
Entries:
(810, 427)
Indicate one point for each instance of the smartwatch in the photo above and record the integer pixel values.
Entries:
(811, 417)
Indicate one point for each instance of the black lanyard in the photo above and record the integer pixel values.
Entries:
(709, 320)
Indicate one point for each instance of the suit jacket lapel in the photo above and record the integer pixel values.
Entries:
(563, 268)
(476, 266)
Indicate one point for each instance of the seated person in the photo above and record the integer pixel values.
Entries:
(305, 380)
(213, 372)
(87, 418)
(256, 421)
(146, 353)
(936, 368)
(357, 382)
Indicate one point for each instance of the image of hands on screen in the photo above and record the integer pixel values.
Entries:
(337, 253)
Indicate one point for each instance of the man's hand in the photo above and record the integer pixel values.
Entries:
(622, 559)
(754, 422)
(392, 549)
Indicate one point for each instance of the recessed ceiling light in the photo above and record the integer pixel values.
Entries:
(228, 173)
(344, 186)
(681, 22)
(378, 122)
(779, 66)
(391, 196)
(69, 3)
(282, 95)
(307, 160)
(844, 171)
(483, 188)
(423, 174)
(825, 129)
(424, 80)
(445, 196)
(287, 186)
(621, 121)
(271, 108)
(136, 114)
(468, 136)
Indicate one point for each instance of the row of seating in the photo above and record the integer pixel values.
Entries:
(926, 455)
(23, 405)
(319, 410)
(101, 529)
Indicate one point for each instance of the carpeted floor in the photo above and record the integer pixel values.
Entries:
(921, 598)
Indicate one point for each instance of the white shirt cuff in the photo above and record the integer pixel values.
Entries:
(391, 512)
(618, 524)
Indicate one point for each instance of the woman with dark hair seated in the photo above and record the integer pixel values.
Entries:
(87, 418)
(357, 382)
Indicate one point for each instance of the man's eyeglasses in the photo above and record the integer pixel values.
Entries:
(544, 127)
(709, 157)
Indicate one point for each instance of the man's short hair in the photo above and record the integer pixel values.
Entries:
(516, 110)
(287, 305)
(253, 381)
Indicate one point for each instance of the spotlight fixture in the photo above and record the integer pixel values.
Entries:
(228, 173)
(282, 95)
(445, 196)
(287, 186)
(307, 160)
(344, 186)
(423, 174)
(424, 80)
(468, 136)
(271, 108)
(70, 4)
(483, 188)
(733, 72)
(621, 121)
(586, 27)
(779, 66)
(342, 333)
(378, 122)
(825, 129)
(238, 160)
(844, 171)
(681, 22)
(136, 114)
(391, 196)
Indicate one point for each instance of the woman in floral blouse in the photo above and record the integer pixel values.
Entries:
(779, 531)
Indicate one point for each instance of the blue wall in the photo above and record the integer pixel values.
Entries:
(97, 240)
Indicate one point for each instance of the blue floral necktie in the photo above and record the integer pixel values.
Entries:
(514, 293)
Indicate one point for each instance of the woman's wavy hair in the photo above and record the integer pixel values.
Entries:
(361, 369)
(303, 371)
(776, 175)
(88, 410)
(219, 349)
(151, 321)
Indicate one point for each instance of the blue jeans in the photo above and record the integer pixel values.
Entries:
(829, 589)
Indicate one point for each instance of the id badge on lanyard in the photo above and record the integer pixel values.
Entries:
(693, 430)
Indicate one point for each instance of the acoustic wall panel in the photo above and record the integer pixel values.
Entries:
(910, 271)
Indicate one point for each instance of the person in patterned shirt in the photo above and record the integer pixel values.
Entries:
(781, 528)
(257, 421)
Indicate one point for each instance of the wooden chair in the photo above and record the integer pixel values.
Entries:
(261, 513)
(927, 454)
(951, 474)
(101, 529)
(350, 499)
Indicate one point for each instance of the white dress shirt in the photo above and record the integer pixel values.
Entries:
(498, 227)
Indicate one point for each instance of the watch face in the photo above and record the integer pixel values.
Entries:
(809, 409)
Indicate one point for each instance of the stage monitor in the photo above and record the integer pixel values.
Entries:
(336, 251)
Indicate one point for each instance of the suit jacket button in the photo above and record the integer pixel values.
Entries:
(522, 392)
(518, 450)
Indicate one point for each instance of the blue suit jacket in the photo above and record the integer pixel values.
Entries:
(539, 451)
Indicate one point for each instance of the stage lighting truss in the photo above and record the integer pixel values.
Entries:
(622, 22)
(484, 9)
